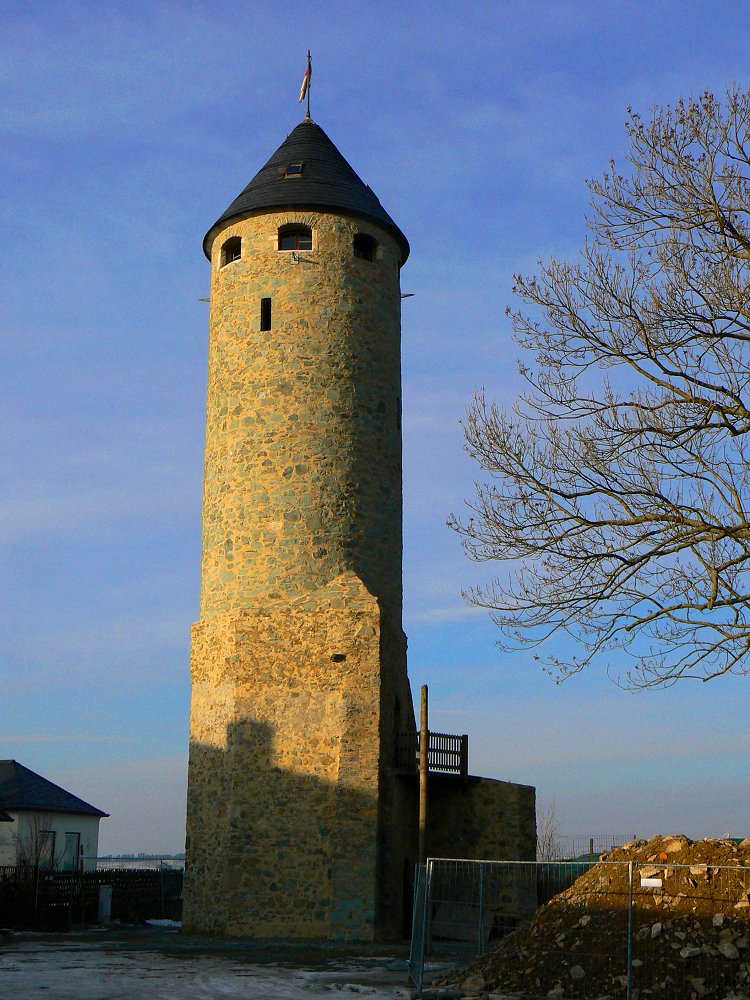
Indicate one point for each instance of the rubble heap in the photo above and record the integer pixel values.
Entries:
(691, 935)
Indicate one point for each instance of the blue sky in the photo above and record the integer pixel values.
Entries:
(127, 129)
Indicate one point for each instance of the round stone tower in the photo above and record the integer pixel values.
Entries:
(303, 441)
(297, 821)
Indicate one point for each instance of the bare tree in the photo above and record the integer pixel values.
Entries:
(618, 489)
(548, 846)
(36, 841)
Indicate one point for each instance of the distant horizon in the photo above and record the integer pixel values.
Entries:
(143, 856)
(576, 842)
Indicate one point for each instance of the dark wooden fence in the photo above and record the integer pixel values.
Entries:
(32, 898)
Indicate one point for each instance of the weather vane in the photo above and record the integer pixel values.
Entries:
(304, 90)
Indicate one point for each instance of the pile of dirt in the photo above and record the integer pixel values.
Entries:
(690, 934)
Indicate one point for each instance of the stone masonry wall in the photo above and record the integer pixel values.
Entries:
(303, 441)
(481, 819)
(286, 770)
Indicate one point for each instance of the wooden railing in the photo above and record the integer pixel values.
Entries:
(447, 753)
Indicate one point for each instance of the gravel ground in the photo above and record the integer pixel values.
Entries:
(151, 963)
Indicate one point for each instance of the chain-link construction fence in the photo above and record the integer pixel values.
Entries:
(581, 846)
(583, 930)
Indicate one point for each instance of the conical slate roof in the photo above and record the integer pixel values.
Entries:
(326, 182)
(22, 788)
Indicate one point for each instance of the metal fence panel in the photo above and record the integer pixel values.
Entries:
(474, 905)
(691, 931)
(418, 949)
(583, 930)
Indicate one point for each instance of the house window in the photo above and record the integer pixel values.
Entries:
(295, 237)
(265, 314)
(232, 250)
(365, 247)
(294, 169)
(71, 851)
(46, 849)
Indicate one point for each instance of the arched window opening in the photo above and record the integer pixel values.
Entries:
(232, 250)
(295, 237)
(365, 247)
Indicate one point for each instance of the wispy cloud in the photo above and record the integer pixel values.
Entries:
(9, 739)
(125, 639)
(73, 511)
(451, 613)
(123, 66)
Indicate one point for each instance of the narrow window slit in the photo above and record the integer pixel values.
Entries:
(265, 314)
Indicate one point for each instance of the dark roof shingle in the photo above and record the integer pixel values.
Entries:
(22, 788)
(326, 182)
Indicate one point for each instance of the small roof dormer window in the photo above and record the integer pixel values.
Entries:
(294, 169)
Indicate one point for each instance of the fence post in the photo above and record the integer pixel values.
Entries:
(36, 895)
(420, 916)
(630, 932)
(480, 942)
(427, 907)
(424, 766)
(465, 756)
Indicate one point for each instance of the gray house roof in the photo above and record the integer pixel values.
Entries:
(326, 181)
(21, 788)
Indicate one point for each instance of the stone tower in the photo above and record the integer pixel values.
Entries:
(297, 822)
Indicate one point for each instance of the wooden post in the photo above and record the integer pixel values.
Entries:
(424, 740)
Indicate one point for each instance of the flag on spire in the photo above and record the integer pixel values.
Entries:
(306, 78)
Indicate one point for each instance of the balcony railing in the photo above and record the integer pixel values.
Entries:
(447, 753)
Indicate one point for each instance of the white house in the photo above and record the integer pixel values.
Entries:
(45, 825)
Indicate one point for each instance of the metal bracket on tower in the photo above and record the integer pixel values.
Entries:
(296, 259)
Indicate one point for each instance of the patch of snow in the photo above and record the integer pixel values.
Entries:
(94, 971)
